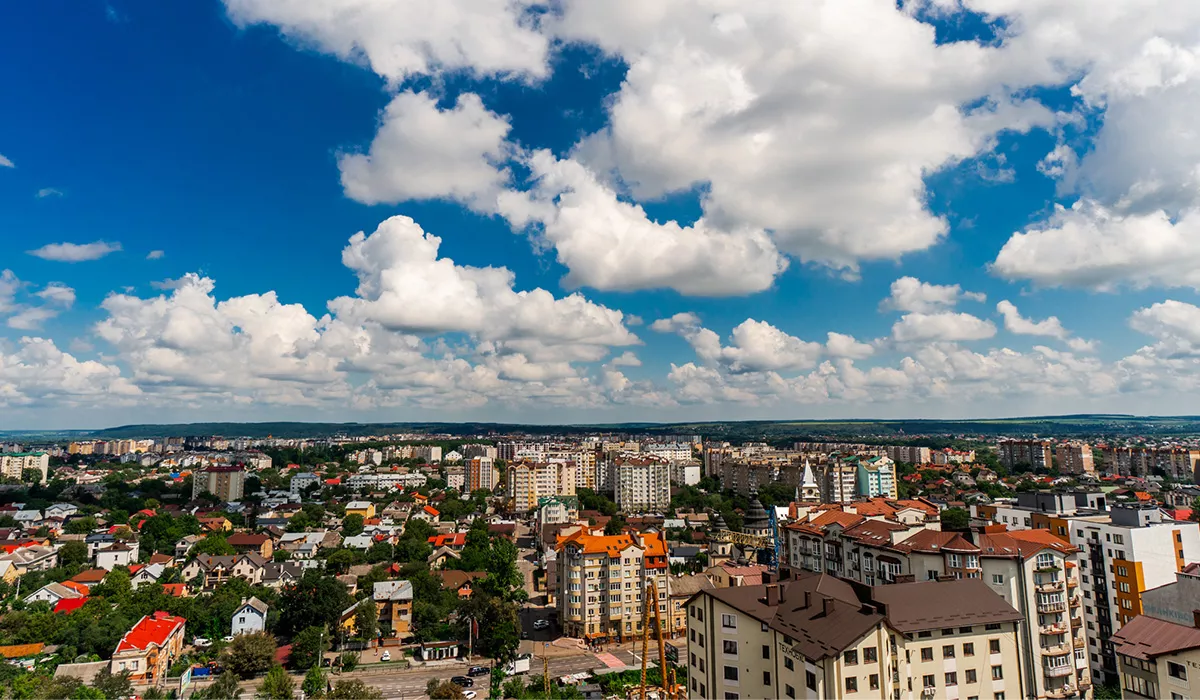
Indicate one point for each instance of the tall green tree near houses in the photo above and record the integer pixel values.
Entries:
(366, 619)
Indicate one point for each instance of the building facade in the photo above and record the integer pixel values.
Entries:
(602, 580)
(823, 637)
(225, 482)
(642, 486)
(14, 464)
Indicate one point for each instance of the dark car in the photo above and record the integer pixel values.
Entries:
(462, 681)
(478, 671)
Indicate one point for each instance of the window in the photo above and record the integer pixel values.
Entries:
(925, 635)
(928, 681)
(969, 649)
(971, 678)
(1118, 539)
(766, 678)
(242, 619)
(731, 673)
(852, 684)
(731, 696)
(951, 678)
(729, 621)
(1175, 670)
(997, 673)
(870, 655)
(788, 663)
(701, 659)
(810, 680)
(998, 579)
(1122, 571)
(693, 637)
(789, 691)
(700, 641)
(927, 654)
(993, 646)
(948, 651)
(851, 658)
(702, 693)
(766, 651)
(947, 632)
(873, 681)
(998, 696)
(729, 646)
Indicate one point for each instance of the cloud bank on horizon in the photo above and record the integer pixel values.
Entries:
(842, 207)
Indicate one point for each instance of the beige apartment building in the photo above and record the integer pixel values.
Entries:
(823, 637)
(528, 482)
(1032, 570)
(602, 580)
(1075, 458)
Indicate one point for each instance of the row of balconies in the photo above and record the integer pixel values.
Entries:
(1059, 671)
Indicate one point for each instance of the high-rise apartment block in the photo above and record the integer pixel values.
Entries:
(909, 454)
(603, 580)
(480, 473)
(642, 485)
(1027, 454)
(528, 482)
(14, 464)
(226, 482)
(1075, 458)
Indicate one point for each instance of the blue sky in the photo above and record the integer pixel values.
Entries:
(1000, 219)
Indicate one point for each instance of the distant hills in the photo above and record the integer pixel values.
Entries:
(1069, 425)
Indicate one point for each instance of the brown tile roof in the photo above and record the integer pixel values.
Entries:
(90, 576)
(246, 539)
(926, 605)
(1147, 637)
(829, 517)
(453, 579)
(1023, 543)
(874, 532)
(935, 542)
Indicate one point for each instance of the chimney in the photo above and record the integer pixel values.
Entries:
(827, 606)
(773, 595)
(808, 599)
(1196, 618)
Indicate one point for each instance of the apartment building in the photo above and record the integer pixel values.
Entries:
(1124, 553)
(14, 464)
(951, 456)
(909, 454)
(300, 482)
(642, 485)
(1158, 652)
(481, 473)
(824, 637)
(1026, 454)
(602, 580)
(226, 482)
(669, 451)
(1179, 463)
(528, 482)
(685, 473)
(1032, 570)
(839, 480)
(1075, 458)
(876, 477)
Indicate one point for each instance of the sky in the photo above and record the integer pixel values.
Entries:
(568, 211)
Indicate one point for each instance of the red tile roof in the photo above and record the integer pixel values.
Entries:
(67, 605)
(76, 586)
(153, 629)
(453, 539)
(175, 590)
(432, 511)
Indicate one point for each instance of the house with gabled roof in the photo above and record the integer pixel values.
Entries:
(149, 647)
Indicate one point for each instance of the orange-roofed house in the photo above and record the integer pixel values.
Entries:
(148, 649)
(453, 540)
(428, 514)
(629, 561)
(175, 590)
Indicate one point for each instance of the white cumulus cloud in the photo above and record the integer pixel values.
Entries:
(75, 252)
(911, 294)
(945, 326)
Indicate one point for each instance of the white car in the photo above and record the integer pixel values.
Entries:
(201, 642)
(469, 694)
(386, 656)
(541, 624)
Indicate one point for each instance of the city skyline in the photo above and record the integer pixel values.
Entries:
(550, 213)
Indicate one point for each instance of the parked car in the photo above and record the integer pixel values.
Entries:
(386, 656)
(478, 671)
(469, 694)
(541, 624)
(462, 681)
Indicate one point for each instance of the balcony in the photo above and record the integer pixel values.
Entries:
(1077, 621)
(1058, 671)
(1050, 587)
(1065, 691)
(1075, 601)
(1072, 582)
(1057, 650)
(1055, 607)
(1057, 628)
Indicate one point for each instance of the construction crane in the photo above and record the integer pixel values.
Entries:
(670, 690)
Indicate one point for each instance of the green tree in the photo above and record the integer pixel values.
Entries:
(615, 525)
(957, 519)
(446, 690)
(250, 654)
(226, 687)
(366, 619)
(340, 561)
(349, 661)
(314, 682)
(213, 544)
(316, 599)
(73, 555)
(277, 685)
(1195, 516)
(309, 647)
(113, 685)
(80, 526)
(354, 690)
(352, 525)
